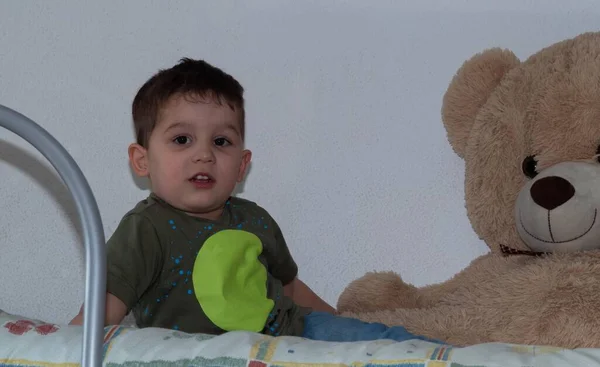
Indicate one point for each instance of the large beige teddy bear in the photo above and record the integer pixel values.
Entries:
(529, 133)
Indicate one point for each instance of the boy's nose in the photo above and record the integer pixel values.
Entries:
(204, 155)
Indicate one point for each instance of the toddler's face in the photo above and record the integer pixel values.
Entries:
(195, 155)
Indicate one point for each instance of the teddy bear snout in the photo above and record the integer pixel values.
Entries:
(551, 192)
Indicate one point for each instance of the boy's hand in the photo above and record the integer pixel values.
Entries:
(115, 312)
(302, 295)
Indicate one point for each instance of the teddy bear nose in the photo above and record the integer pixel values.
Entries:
(551, 192)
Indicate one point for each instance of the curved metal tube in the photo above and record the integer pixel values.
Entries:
(89, 216)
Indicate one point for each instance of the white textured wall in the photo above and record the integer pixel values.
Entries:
(343, 117)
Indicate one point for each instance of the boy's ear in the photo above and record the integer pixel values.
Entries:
(138, 158)
(246, 158)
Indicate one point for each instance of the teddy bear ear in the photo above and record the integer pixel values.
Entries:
(468, 91)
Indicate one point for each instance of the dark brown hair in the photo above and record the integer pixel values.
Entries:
(188, 77)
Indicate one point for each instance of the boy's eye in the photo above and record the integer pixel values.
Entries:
(221, 142)
(181, 140)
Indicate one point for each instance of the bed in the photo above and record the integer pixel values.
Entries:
(29, 342)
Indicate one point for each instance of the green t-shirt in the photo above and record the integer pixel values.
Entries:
(185, 273)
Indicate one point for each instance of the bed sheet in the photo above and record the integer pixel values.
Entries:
(26, 342)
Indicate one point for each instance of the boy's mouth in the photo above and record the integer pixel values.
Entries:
(202, 178)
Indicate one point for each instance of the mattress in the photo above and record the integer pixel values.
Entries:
(27, 342)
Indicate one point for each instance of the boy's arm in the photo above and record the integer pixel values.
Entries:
(302, 295)
(283, 267)
(115, 312)
(134, 258)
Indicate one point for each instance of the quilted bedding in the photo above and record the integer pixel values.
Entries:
(26, 342)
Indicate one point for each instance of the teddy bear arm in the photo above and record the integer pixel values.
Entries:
(523, 305)
(377, 291)
(480, 268)
(458, 326)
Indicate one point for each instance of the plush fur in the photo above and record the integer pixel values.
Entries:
(529, 133)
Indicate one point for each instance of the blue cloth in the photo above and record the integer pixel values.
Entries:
(328, 327)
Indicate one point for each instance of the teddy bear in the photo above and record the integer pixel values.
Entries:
(529, 134)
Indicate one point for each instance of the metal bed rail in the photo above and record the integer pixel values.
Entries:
(89, 215)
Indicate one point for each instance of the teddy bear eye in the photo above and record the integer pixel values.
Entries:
(529, 166)
(598, 154)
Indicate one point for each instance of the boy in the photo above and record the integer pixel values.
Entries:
(191, 257)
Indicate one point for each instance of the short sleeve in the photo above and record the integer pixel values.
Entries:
(134, 259)
(282, 265)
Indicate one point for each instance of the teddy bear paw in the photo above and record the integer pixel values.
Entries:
(377, 291)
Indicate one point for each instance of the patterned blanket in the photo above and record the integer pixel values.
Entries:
(25, 342)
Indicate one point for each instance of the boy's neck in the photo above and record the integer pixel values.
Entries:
(213, 215)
